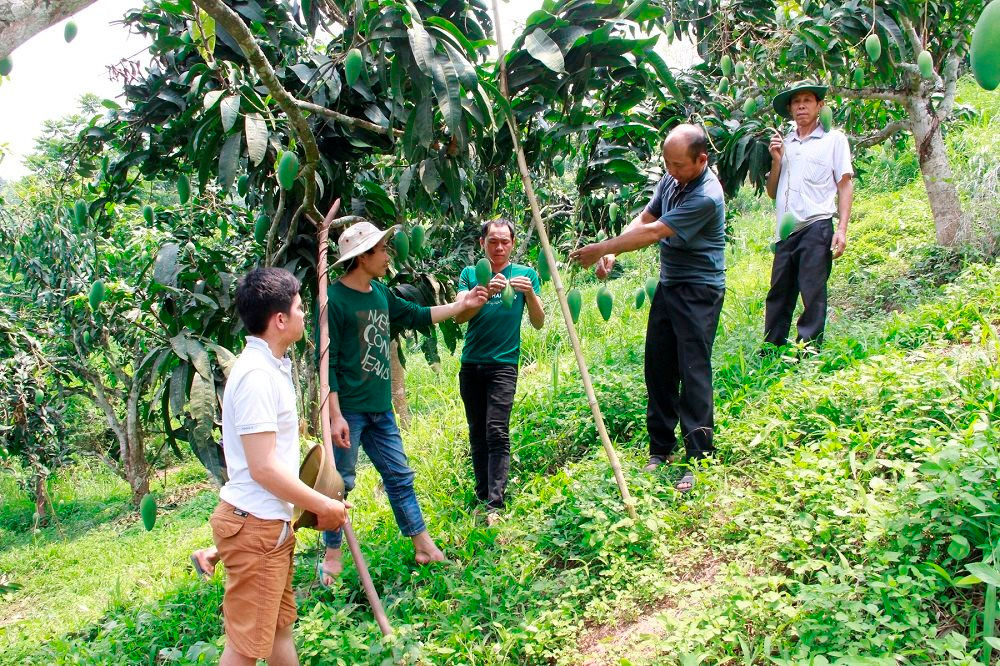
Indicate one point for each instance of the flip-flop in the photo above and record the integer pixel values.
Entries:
(320, 572)
(689, 479)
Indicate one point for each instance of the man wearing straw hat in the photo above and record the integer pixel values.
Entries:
(260, 431)
(686, 217)
(361, 309)
(810, 181)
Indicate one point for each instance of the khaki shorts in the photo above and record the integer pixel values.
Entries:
(257, 555)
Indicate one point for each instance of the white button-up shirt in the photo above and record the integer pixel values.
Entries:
(810, 170)
(259, 397)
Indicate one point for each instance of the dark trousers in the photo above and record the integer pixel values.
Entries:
(802, 264)
(683, 319)
(487, 390)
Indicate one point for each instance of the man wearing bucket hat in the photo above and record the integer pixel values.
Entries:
(811, 183)
(361, 310)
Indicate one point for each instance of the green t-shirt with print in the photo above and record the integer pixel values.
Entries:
(359, 343)
(494, 334)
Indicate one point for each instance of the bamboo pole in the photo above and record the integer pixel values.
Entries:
(324, 391)
(543, 238)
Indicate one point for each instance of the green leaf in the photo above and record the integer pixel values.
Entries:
(165, 269)
(230, 110)
(211, 98)
(202, 406)
(256, 132)
(543, 49)
(984, 572)
(448, 93)
(199, 358)
(449, 27)
(959, 547)
(229, 160)
(422, 48)
(178, 388)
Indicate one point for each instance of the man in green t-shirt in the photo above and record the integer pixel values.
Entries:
(492, 349)
(361, 309)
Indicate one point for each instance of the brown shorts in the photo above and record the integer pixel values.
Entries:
(258, 599)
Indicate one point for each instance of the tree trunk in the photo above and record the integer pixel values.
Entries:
(20, 20)
(41, 497)
(946, 207)
(134, 455)
(399, 402)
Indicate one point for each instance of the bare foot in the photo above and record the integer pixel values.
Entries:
(204, 561)
(332, 566)
(425, 550)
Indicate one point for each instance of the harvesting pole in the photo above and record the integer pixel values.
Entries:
(543, 238)
(324, 383)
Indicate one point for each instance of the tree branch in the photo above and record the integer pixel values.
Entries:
(235, 26)
(916, 43)
(344, 119)
(869, 93)
(879, 136)
(950, 77)
(20, 20)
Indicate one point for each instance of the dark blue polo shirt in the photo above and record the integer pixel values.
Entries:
(696, 253)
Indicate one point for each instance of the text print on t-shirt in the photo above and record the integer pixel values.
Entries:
(374, 328)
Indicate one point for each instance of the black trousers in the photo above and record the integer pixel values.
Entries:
(802, 265)
(683, 320)
(487, 390)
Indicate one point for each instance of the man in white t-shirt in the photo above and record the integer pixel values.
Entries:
(251, 525)
(811, 178)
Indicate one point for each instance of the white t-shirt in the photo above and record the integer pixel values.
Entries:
(259, 397)
(810, 171)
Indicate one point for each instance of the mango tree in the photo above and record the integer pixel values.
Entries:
(892, 66)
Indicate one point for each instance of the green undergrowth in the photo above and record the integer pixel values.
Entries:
(854, 491)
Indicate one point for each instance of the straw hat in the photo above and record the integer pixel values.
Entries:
(359, 238)
(318, 472)
(782, 99)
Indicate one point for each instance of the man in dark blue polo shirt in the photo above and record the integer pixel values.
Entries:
(686, 216)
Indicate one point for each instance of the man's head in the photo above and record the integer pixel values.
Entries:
(268, 302)
(685, 152)
(497, 240)
(363, 247)
(804, 107)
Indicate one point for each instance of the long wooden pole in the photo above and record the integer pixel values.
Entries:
(543, 238)
(324, 392)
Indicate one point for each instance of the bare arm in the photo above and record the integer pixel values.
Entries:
(266, 470)
(777, 150)
(467, 302)
(845, 199)
(642, 231)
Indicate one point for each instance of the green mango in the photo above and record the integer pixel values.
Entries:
(640, 297)
(417, 239)
(668, 31)
(543, 269)
(96, 294)
(574, 299)
(243, 185)
(183, 188)
(605, 302)
(189, 247)
(727, 65)
(288, 169)
(69, 32)
(39, 396)
(826, 118)
(985, 48)
(786, 225)
(81, 213)
(5, 66)
(741, 69)
(750, 106)
(261, 227)
(86, 337)
(651, 284)
(873, 45)
(507, 296)
(352, 66)
(147, 508)
(401, 242)
(926, 65)
(613, 211)
(859, 77)
(484, 273)
(724, 85)
(147, 214)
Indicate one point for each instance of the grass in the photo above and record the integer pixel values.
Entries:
(855, 491)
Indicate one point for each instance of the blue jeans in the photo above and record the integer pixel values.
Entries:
(378, 434)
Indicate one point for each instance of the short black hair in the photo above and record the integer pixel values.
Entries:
(262, 293)
(697, 140)
(352, 263)
(496, 223)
